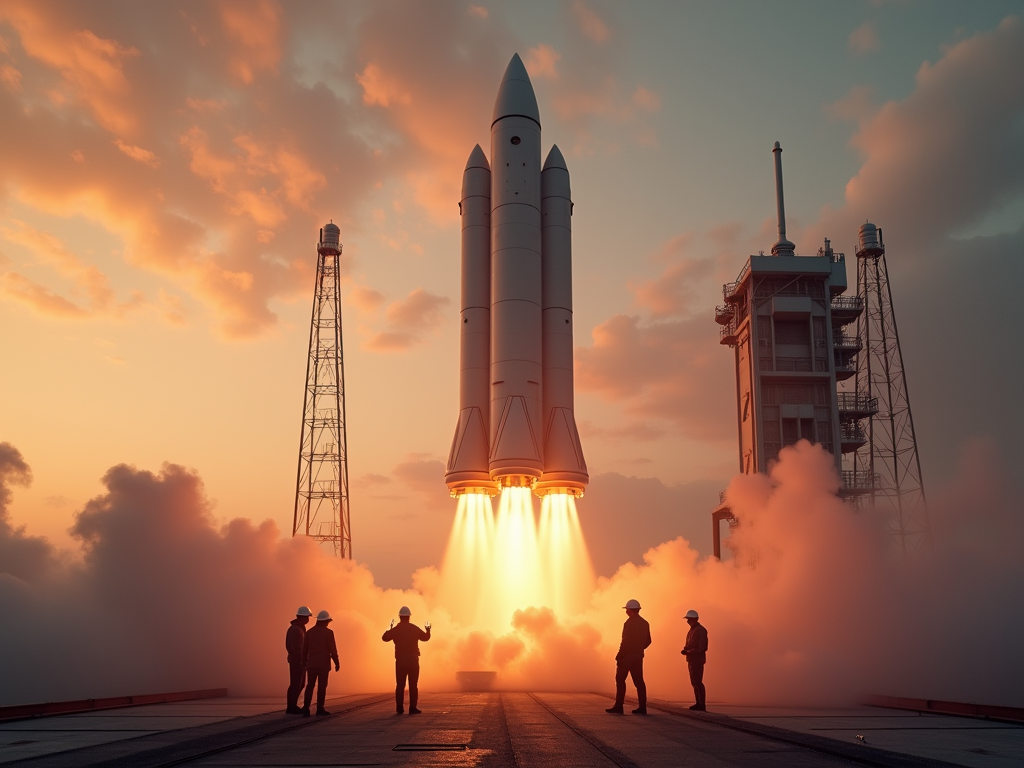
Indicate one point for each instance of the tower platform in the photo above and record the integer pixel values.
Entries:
(506, 729)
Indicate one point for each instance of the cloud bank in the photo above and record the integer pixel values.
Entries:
(813, 608)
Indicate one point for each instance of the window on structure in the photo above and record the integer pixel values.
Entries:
(792, 345)
(790, 431)
(807, 430)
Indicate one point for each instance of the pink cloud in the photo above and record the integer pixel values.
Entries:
(592, 25)
(542, 62)
(253, 28)
(670, 370)
(88, 283)
(138, 154)
(864, 39)
(91, 67)
(408, 320)
(381, 90)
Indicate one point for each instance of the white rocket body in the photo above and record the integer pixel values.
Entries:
(532, 440)
(467, 462)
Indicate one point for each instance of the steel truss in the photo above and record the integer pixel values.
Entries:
(321, 486)
(890, 454)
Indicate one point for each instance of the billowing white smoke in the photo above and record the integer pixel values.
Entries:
(814, 608)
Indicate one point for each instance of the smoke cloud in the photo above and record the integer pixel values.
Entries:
(814, 606)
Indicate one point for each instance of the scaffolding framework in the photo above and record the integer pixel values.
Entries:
(889, 456)
(321, 486)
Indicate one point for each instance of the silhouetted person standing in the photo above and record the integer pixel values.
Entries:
(320, 651)
(294, 643)
(695, 650)
(406, 637)
(636, 637)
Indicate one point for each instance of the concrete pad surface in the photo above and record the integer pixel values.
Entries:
(520, 730)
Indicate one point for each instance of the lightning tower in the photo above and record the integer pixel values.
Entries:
(321, 485)
(890, 454)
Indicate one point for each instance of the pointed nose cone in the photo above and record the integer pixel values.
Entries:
(477, 159)
(515, 94)
(555, 159)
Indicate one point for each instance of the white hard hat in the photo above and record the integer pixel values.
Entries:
(404, 611)
(632, 605)
(324, 616)
(692, 614)
(303, 611)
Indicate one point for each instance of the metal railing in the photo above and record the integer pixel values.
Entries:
(852, 303)
(847, 341)
(852, 433)
(724, 313)
(854, 402)
(799, 364)
(858, 480)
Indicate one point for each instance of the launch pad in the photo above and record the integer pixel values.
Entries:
(506, 729)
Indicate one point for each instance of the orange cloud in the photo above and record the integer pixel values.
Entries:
(542, 62)
(669, 370)
(11, 78)
(864, 39)
(365, 299)
(138, 154)
(254, 28)
(408, 320)
(91, 67)
(856, 105)
(87, 282)
(380, 89)
(590, 23)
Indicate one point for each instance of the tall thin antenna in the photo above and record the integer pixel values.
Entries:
(782, 247)
(890, 455)
(321, 484)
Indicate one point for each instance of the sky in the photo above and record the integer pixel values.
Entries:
(165, 169)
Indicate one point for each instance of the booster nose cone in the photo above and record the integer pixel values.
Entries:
(515, 94)
(555, 159)
(477, 159)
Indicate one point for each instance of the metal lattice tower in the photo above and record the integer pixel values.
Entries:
(890, 454)
(321, 486)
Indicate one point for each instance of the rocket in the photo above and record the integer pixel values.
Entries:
(516, 423)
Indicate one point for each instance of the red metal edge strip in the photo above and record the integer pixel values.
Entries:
(961, 709)
(49, 709)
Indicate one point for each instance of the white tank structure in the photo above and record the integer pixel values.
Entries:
(467, 470)
(532, 440)
(565, 470)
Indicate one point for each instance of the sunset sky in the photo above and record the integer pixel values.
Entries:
(165, 168)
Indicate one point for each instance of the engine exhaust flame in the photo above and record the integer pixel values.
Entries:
(496, 565)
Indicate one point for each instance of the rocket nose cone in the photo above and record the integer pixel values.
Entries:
(477, 159)
(515, 94)
(555, 159)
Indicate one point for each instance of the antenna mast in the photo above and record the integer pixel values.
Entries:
(321, 485)
(890, 454)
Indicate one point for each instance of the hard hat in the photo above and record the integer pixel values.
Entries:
(692, 614)
(324, 616)
(404, 611)
(303, 611)
(632, 605)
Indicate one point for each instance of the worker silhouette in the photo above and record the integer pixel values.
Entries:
(294, 643)
(636, 636)
(406, 637)
(317, 656)
(695, 650)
